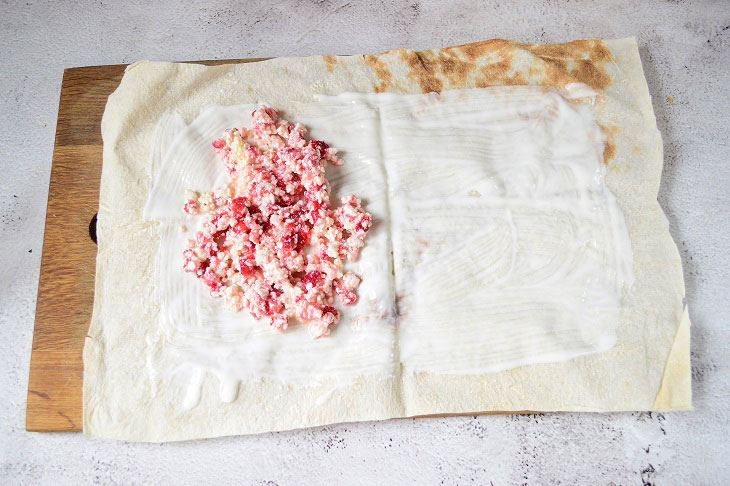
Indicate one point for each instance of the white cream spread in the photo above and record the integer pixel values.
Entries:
(492, 229)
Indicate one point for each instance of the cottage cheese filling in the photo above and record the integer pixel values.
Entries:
(270, 241)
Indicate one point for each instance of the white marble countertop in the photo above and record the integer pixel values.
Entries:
(685, 48)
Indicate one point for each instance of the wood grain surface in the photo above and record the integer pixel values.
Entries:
(66, 285)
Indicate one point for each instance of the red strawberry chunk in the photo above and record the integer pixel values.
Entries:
(270, 242)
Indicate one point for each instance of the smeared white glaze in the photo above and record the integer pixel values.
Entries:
(508, 248)
(168, 127)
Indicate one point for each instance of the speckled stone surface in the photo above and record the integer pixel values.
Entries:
(685, 48)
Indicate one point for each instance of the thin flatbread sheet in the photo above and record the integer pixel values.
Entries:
(647, 368)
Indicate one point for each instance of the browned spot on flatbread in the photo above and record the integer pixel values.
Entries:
(555, 73)
(431, 85)
(329, 63)
(610, 130)
(593, 50)
(609, 150)
(427, 61)
(574, 61)
(635, 149)
(558, 64)
(498, 62)
(381, 72)
(591, 74)
(455, 69)
(423, 70)
(494, 74)
(448, 64)
(441, 64)
(517, 79)
(499, 68)
(475, 50)
(558, 72)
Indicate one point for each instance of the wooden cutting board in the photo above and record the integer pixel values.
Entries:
(66, 286)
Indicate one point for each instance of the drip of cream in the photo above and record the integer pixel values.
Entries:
(493, 229)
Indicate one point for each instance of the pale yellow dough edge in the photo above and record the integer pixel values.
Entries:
(675, 391)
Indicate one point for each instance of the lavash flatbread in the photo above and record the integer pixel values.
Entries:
(647, 369)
